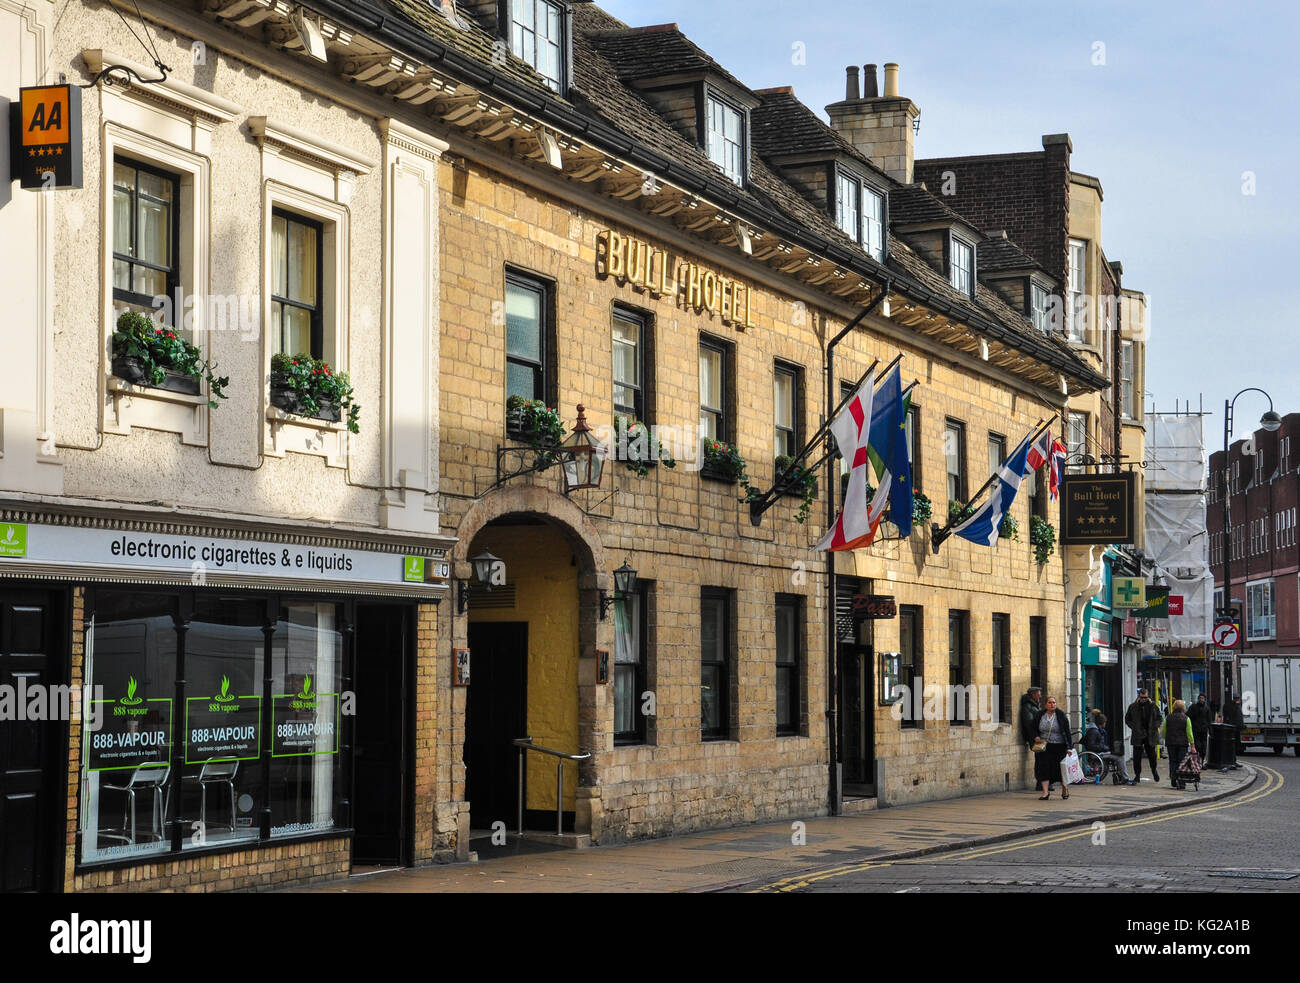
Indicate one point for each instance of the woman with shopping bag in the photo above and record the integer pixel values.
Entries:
(1050, 746)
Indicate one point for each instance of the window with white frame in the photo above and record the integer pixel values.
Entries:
(1038, 306)
(726, 140)
(1076, 433)
(860, 213)
(537, 36)
(1126, 380)
(847, 207)
(961, 265)
(1261, 618)
(1076, 314)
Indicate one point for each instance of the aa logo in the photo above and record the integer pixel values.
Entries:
(45, 116)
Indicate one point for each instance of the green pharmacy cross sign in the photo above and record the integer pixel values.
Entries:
(1128, 592)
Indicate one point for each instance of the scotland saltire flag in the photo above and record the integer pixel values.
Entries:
(982, 527)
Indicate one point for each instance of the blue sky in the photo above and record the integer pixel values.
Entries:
(1191, 96)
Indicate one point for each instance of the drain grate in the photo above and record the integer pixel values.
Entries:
(1256, 875)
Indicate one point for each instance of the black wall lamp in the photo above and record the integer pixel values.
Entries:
(484, 564)
(624, 586)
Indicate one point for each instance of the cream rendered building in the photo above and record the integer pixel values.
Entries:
(172, 551)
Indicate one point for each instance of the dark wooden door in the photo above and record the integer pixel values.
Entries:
(498, 714)
(380, 761)
(33, 766)
(857, 720)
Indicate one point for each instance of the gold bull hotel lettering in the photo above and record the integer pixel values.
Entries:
(631, 260)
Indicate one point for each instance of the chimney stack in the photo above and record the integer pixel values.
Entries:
(851, 84)
(879, 127)
(891, 80)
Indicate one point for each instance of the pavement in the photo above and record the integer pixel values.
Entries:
(747, 856)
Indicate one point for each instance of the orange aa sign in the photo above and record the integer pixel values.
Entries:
(46, 137)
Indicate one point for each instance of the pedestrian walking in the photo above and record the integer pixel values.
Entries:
(1143, 719)
(1199, 714)
(1097, 740)
(1052, 730)
(1177, 732)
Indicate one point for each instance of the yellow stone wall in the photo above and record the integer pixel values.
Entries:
(683, 532)
(546, 588)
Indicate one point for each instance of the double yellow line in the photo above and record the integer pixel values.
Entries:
(1272, 782)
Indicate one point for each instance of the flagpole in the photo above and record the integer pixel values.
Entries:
(832, 629)
(940, 535)
(833, 451)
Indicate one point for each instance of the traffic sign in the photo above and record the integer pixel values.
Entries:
(1226, 635)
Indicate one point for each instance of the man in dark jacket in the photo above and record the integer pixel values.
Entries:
(1199, 714)
(1030, 704)
(1143, 719)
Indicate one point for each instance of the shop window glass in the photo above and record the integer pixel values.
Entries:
(306, 669)
(126, 760)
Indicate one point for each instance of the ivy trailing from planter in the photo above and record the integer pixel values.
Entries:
(309, 387)
(1009, 528)
(638, 448)
(533, 422)
(149, 354)
(1042, 536)
(959, 512)
(723, 462)
(922, 509)
(801, 482)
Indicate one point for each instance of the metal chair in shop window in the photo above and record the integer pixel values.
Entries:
(219, 772)
(149, 777)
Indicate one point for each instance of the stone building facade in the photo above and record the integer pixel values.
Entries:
(469, 191)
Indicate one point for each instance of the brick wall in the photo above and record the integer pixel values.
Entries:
(1028, 195)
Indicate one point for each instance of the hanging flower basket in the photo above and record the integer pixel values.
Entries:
(922, 509)
(800, 483)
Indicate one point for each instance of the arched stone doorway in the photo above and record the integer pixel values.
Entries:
(533, 645)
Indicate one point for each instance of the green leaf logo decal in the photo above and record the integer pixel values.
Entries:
(224, 696)
(131, 686)
(306, 693)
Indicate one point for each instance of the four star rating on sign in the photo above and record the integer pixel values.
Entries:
(1101, 520)
(45, 152)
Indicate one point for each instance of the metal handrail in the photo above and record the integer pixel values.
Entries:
(526, 744)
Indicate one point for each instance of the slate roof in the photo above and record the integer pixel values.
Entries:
(606, 52)
(783, 126)
(651, 52)
(912, 204)
(998, 253)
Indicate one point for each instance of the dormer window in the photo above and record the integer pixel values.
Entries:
(1038, 306)
(726, 141)
(537, 36)
(860, 213)
(961, 265)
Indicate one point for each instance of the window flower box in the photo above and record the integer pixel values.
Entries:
(722, 462)
(148, 354)
(638, 448)
(308, 387)
(533, 422)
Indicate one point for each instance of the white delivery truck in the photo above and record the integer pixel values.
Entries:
(1270, 701)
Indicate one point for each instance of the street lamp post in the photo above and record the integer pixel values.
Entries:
(1270, 421)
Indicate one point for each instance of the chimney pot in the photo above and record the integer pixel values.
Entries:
(851, 84)
(891, 79)
(870, 89)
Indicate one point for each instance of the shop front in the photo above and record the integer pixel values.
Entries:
(232, 693)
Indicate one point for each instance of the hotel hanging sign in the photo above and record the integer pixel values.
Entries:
(1096, 510)
(630, 260)
(148, 557)
(45, 137)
